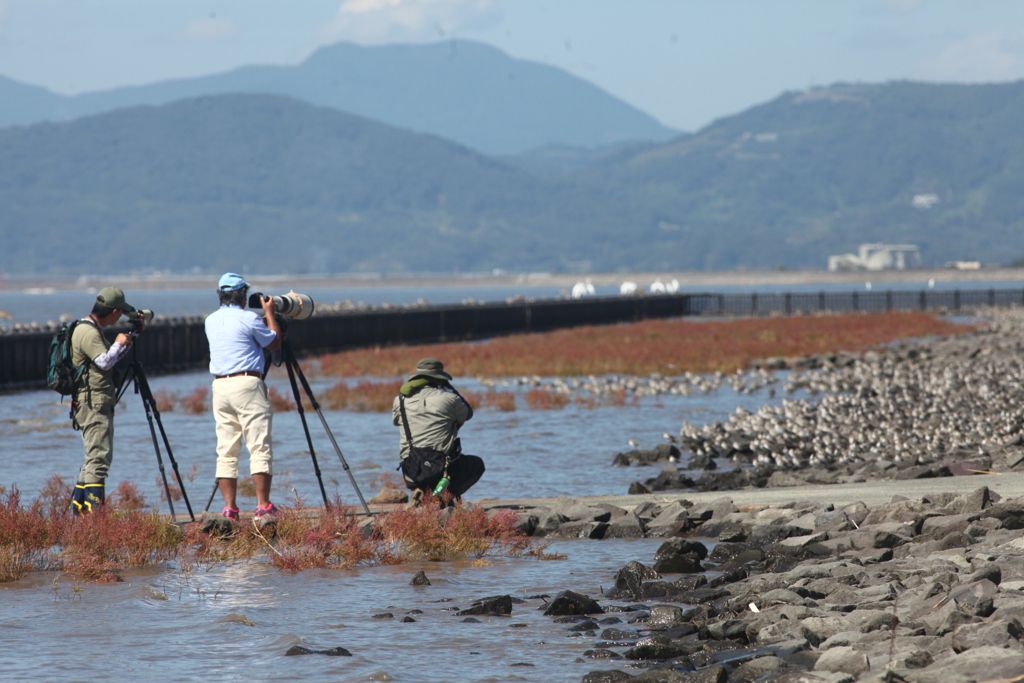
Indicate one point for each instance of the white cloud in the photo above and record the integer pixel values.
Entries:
(208, 29)
(386, 21)
(980, 57)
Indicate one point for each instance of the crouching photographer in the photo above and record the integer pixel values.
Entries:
(95, 394)
(429, 412)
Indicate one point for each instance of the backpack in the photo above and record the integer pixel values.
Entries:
(62, 375)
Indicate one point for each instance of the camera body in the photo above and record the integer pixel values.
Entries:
(137, 321)
(290, 305)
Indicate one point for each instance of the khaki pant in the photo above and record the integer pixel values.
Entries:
(241, 410)
(97, 425)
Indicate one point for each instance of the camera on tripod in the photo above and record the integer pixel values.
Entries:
(290, 305)
(137, 321)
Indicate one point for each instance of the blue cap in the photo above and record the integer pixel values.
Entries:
(229, 282)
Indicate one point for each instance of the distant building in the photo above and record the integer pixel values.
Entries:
(878, 257)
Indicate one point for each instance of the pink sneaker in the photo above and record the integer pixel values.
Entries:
(271, 509)
(230, 513)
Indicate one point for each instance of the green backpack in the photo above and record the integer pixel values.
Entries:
(62, 375)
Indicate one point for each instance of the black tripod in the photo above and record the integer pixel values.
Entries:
(137, 377)
(288, 358)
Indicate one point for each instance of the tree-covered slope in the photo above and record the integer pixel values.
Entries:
(274, 184)
(818, 172)
(271, 183)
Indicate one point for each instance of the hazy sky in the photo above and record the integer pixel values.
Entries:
(686, 62)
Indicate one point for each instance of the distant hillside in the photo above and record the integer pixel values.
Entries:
(271, 184)
(817, 172)
(464, 91)
(276, 185)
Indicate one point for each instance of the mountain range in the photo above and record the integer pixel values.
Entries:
(464, 91)
(272, 184)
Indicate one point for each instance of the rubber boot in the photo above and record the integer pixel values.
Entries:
(78, 499)
(87, 498)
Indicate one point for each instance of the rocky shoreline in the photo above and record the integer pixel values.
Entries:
(924, 590)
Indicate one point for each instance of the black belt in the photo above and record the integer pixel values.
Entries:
(247, 373)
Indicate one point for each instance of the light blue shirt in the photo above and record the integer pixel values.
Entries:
(237, 338)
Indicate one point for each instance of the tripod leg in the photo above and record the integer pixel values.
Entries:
(290, 359)
(216, 487)
(305, 428)
(170, 456)
(159, 459)
(153, 414)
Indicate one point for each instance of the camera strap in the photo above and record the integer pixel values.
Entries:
(405, 419)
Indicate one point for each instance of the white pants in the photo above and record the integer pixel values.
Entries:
(242, 410)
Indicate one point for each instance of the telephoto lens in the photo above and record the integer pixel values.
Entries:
(290, 305)
(135, 320)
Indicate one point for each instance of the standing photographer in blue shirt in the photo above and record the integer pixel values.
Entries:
(241, 407)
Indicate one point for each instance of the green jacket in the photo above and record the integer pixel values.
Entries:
(435, 416)
(98, 387)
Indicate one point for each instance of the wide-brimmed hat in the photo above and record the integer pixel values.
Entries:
(230, 282)
(430, 367)
(112, 297)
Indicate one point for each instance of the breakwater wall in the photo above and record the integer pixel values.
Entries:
(180, 344)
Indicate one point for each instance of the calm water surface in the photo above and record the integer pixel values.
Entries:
(178, 626)
(40, 305)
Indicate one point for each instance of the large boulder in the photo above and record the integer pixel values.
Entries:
(570, 603)
(498, 605)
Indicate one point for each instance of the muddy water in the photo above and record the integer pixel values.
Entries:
(188, 626)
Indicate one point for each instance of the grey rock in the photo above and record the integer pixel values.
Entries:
(1005, 634)
(332, 652)
(627, 526)
(613, 676)
(580, 529)
(988, 663)
(711, 674)
(1009, 512)
(673, 517)
(756, 668)
(844, 660)
(497, 605)
(767, 534)
(681, 546)
(631, 577)
(526, 522)
(570, 602)
(548, 521)
(573, 511)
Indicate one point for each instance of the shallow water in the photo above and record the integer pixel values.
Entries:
(169, 624)
(528, 453)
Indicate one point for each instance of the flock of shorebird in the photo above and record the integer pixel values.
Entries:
(654, 384)
(915, 403)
